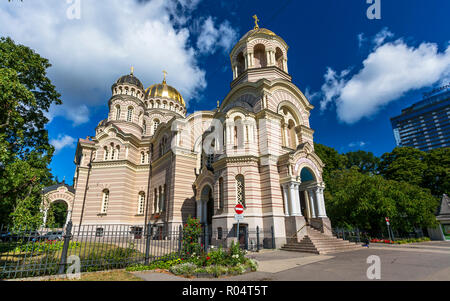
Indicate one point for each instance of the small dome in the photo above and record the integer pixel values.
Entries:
(130, 79)
(166, 91)
(258, 31)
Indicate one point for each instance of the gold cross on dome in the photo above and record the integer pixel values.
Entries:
(256, 21)
(165, 73)
(132, 70)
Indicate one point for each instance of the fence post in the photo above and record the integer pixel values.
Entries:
(357, 233)
(148, 237)
(67, 238)
(180, 238)
(273, 237)
(257, 238)
(206, 237)
(246, 238)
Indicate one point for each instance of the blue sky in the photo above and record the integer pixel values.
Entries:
(357, 72)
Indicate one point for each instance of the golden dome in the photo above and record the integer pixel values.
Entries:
(258, 31)
(165, 91)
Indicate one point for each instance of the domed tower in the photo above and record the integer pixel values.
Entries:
(260, 53)
(163, 103)
(126, 106)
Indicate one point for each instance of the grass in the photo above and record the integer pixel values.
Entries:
(118, 275)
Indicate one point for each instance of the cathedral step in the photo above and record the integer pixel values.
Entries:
(320, 243)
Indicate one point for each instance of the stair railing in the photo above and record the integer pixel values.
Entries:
(294, 235)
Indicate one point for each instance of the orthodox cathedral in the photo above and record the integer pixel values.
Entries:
(150, 162)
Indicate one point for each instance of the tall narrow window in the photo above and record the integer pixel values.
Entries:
(130, 114)
(142, 157)
(113, 153)
(141, 202)
(106, 152)
(221, 201)
(155, 125)
(117, 112)
(240, 189)
(105, 201)
(155, 201)
(161, 197)
(144, 126)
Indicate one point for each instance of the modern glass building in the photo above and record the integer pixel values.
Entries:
(426, 124)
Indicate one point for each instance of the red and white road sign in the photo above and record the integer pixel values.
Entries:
(387, 219)
(239, 209)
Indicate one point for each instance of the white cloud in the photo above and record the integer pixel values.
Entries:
(89, 54)
(391, 70)
(62, 142)
(211, 38)
(357, 144)
(361, 39)
(381, 37)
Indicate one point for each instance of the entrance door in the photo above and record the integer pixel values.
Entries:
(303, 204)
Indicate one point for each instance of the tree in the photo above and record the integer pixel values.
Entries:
(26, 93)
(404, 164)
(437, 174)
(363, 201)
(366, 162)
(331, 158)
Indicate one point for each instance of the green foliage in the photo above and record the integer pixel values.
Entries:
(44, 246)
(404, 164)
(363, 201)
(56, 215)
(159, 264)
(366, 162)
(26, 94)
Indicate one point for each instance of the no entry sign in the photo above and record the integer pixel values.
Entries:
(239, 209)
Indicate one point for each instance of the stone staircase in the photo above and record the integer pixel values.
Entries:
(317, 242)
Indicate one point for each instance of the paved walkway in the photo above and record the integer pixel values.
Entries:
(421, 261)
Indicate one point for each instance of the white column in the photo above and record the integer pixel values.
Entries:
(285, 65)
(297, 199)
(246, 61)
(286, 200)
(320, 202)
(205, 213)
(199, 210)
(45, 217)
(69, 216)
(252, 62)
(295, 211)
(311, 203)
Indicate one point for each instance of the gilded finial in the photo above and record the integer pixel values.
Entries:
(165, 73)
(218, 103)
(132, 70)
(256, 21)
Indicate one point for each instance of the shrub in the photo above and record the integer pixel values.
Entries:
(191, 235)
(183, 269)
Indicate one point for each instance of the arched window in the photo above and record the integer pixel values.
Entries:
(130, 114)
(260, 56)
(238, 132)
(117, 112)
(161, 200)
(155, 125)
(240, 189)
(292, 139)
(113, 152)
(279, 58)
(141, 202)
(155, 201)
(221, 197)
(105, 201)
(117, 152)
(144, 127)
(240, 64)
(106, 152)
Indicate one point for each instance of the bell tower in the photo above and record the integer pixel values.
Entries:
(260, 53)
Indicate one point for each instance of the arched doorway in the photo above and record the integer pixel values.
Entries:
(205, 212)
(57, 214)
(307, 198)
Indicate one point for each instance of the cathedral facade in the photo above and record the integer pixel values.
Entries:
(150, 162)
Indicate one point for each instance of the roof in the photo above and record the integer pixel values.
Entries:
(56, 186)
(444, 209)
(130, 79)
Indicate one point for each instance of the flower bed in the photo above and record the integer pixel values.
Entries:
(401, 241)
(193, 261)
